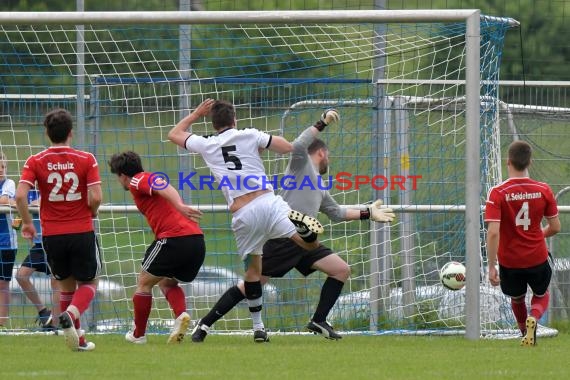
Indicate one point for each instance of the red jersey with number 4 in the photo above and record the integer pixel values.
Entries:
(164, 220)
(63, 175)
(520, 204)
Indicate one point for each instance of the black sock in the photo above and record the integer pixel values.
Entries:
(329, 294)
(227, 301)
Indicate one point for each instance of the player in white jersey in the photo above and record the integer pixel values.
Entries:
(258, 214)
(309, 159)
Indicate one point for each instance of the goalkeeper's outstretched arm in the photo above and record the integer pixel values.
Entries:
(373, 212)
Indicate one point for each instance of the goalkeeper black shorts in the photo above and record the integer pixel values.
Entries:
(282, 255)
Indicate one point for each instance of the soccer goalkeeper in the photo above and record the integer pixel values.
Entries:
(310, 158)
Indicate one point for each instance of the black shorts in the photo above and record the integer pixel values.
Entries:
(7, 258)
(282, 255)
(179, 258)
(74, 255)
(514, 281)
(37, 259)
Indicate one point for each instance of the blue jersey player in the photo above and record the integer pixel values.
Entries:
(36, 261)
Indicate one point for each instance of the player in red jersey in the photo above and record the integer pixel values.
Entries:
(177, 253)
(514, 212)
(70, 188)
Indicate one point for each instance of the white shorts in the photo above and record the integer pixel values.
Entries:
(264, 218)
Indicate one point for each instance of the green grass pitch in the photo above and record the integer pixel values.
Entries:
(286, 357)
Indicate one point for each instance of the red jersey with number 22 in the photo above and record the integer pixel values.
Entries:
(63, 175)
(520, 204)
(164, 220)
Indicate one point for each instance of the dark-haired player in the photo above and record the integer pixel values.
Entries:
(514, 213)
(257, 213)
(70, 190)
(176, 254)
(309, 159)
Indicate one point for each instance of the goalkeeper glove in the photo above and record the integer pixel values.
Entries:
(377, 214)
(328, 117)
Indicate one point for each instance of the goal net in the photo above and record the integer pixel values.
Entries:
(400, 89)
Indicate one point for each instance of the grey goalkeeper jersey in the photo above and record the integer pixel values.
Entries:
(307, 200)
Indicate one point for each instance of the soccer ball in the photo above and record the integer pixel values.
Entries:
(452, 275)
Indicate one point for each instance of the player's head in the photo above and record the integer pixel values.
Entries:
(3, 165)
(519, 156)
(125, 165)
(319, 155)
(223, 115)
(58, 123)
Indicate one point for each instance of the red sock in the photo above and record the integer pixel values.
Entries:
(83, 297)
(142, 303)
(176, 299)
(539, 304)
(65, 300)
(82, 340)
(520, 312)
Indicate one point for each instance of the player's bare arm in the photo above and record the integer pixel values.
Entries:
(172, 196)
(28, 229)
(94, 198)
(493, 229)
(280, 145)
(552, 227)
(179, 133)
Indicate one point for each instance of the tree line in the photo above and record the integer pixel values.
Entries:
(537, 50)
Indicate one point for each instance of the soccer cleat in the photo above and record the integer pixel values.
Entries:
(69, 332)
(84, 345)
(260, 336)
(44, 319)
(199, 332)
(130, 337)
(179, 330)
(307, 226)
(529, 339)
(323, 328)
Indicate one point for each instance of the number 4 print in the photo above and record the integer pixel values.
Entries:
(522, 218)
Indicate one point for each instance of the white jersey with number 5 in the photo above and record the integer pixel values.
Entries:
(233, 157)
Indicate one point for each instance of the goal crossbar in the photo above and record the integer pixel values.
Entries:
(237, 17)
